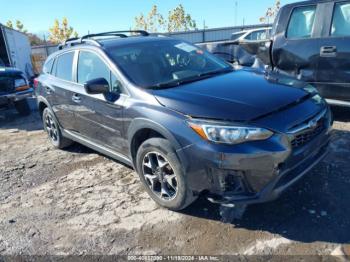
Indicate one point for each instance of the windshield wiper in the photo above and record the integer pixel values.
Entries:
(216, 72)
(194, 78)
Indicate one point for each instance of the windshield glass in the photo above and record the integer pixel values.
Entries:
(236, 36)
(153, 63)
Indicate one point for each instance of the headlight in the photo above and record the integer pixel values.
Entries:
(227, 134)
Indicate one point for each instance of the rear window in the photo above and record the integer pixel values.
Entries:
(301, 22)
(64, 65)
(341, 20)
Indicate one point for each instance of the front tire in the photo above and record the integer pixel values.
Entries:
(53, 130)
(161, 174)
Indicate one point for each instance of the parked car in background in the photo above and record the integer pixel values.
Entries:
(231, 51)
(184, 119)
(252, 34)
(311, 42)
(14, 90)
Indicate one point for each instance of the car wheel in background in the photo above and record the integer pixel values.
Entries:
(161, 173)
(53, 130)
(22, 107)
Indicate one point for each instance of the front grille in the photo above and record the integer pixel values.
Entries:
(309, 134)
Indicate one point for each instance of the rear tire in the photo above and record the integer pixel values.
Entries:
(22, 107)
(161, 174)
(53, 130)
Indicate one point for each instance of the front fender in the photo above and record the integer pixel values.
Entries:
(143, 123)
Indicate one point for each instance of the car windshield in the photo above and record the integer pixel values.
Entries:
(165, 63)
(236, 36)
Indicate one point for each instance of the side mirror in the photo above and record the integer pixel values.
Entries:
(97, 86)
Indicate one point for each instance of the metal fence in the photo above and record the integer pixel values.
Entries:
(40, 53)
(213, 34)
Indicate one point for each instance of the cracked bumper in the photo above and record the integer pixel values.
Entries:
(252, 172)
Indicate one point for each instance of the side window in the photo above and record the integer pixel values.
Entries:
(47, 66)
(257, 35)
(64, 65)
(301, 22)
(341, 20)
(90, 66)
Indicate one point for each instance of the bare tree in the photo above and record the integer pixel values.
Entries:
(271, 13)
(178, 20)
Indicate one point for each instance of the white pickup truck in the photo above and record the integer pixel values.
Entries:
(15, 50)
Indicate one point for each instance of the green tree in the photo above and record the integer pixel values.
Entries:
(61, 31)
(178, 20)
(271, 13)
(20, 26)
(9, 24)
(33, 38)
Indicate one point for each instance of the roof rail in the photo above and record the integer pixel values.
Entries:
(88, 38)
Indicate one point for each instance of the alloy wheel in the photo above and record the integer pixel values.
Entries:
(160, 176)
(51, 128)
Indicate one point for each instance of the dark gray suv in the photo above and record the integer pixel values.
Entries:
(184, 119)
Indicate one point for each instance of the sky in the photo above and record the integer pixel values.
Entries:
(107, 15)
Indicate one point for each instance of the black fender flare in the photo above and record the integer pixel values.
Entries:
(41, 99)
(142, 123)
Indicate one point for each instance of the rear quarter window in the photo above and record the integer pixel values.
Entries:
(48, 66)
(301, 22)
(341, 19)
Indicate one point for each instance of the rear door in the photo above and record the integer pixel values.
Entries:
(296, 44)
(60, 87)
(334, 63)
(100, 117)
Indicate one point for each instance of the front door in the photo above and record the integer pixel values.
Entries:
(60, 88)
(99, 117)
(296, 44)
(334, 62)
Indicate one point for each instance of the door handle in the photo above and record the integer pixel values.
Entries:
(328, 51)
(76, 98)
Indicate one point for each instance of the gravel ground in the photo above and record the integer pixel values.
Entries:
(77, 202)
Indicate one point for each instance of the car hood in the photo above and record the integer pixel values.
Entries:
(9, 71)
(238, 96)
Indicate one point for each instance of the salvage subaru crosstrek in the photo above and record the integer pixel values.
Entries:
(182, 118)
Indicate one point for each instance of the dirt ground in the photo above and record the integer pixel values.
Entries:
(79, 202)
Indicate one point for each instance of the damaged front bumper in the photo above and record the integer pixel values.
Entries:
(253, 172)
